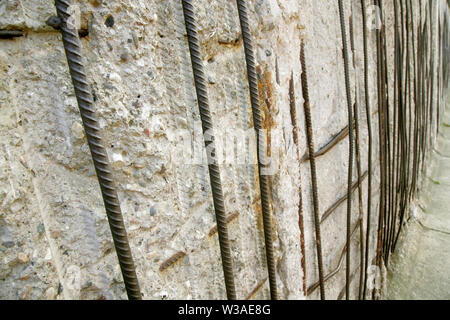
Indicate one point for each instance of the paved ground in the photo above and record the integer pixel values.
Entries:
(421, 267)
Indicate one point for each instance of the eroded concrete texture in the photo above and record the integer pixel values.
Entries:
(55, 240)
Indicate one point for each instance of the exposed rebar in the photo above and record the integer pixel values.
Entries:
(350, 142)
(329, 145)
(358, 157)
(260, 144)
(341, 200)
(370, 142)
(207, 126)
(10, 34)
(312, 161)
(99, 155)
(293, 112)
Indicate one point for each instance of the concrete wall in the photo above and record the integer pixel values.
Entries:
(55, 240)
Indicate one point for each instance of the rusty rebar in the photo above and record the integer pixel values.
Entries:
(91, 125)
(10, 34)
(370, 143)
(312, 161)
(380, 98)
(358, 156)
(293, 112)
(396, 105)
(260, 144)
(350, 142)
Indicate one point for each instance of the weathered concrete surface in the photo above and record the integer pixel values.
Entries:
(139, 68)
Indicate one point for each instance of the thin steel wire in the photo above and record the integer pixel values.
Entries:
(358, 157)
(370, 143)
(312, 161)
(350, 160)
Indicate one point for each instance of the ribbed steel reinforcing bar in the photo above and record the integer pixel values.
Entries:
(358, 155)
(369, 129)
(312, 161)
(99, 156)
(350, 161)
(261, 144)
(207, 126)
(293, 112)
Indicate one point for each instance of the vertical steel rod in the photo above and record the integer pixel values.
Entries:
(350, 156)
(358, 158)
(370, 142)
(312, 161)
(261, 144)
(83, 94)
(207, 126)
(293, 112)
